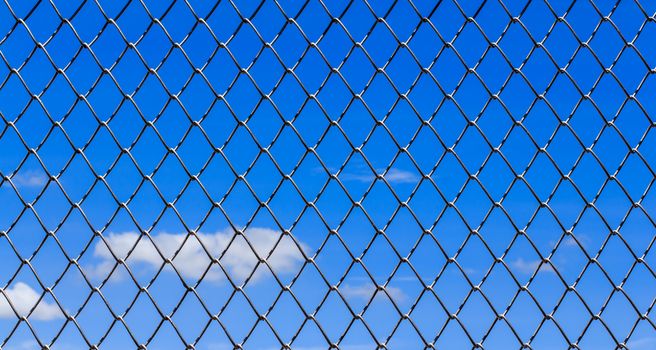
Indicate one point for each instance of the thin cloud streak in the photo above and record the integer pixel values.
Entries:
(530, 266)
(365, 291)
(394, 175)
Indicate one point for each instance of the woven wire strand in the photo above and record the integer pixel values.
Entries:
(355, 45)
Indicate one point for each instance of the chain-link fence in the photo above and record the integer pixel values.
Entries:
(351, 174)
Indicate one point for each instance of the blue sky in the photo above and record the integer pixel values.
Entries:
(360, 159)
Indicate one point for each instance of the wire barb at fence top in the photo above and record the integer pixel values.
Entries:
(327, 175)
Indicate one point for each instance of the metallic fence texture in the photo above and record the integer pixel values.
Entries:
(312, 174)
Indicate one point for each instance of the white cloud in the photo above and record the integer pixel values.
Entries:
(192, 261)
(24, 298)
(530, 266)
(365, 291)
(29, 178)
(102, 269)
(394, 175)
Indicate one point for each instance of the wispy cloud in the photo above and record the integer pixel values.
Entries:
(530, 266)
(192, 260)
(29, 178)
(29, 344)
(23, 345)
(401, 176)
(642, 343)
(342, 347)
(299, 347)
(394, 175)
(24, 298)
(407, 279)
(570, 241)
(365, 291)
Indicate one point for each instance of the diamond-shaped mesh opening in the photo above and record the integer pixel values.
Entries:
(327, 174)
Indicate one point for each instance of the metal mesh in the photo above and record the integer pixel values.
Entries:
(317, 174)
